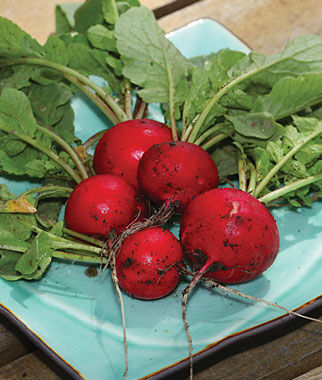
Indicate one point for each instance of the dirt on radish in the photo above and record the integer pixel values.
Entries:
(176, 171)
(103, 203)
(229, 235)
(120, 149)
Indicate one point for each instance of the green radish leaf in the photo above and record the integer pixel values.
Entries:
(276, 150)
(11, 145)
(113, 9)
(43, 264)
(5, 193)
(11, 226)
(16, 77)
(294, 135)
(290, 95)
(102, 38)
(13, 244)
(150, 60)
(316, 168)
(238, 99)
(56, 50)
(58, 228)
(16, 113)
(65, 127)
(110, 12)
(259, 125)
(300, 56)
(45, 76)
(47, 101)
(88, 14)
(225, 158)
(219, 65)
(91, 61)
(65, 20)
(8, 261)
(200, 90)
(26, 163)
(36, 256)
(49, 204)
(262, 162)
(14, 42)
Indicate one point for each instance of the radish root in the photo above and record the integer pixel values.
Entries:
(120, 298)
(273, 304)
(185, 293)
(200, 276)
(215, 284)
(111, 247)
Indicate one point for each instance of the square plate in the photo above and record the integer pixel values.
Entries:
(77, 320)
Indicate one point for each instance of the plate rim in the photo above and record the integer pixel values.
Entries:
(234, 339)
(182, 365)
(221, 24)
(40, 343)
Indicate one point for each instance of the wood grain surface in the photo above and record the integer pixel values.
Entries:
(37, 17)
(265, 25)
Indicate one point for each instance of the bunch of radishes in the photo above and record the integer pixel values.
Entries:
(225, 234)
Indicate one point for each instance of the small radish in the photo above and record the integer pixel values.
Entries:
(120, 149)
(229, 236)
(101, 203)
(146, 263)
(176, 171)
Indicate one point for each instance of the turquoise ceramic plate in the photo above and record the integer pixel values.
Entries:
(77, 319)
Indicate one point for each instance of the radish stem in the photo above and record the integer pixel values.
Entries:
(79, 257)
(82, 78)
(290, 187)
(93, 139)
(46, 151)
(94, 98)
(68, 149)
(220, 93)
(261, 186)
(127, 99)
(252, 177)
(185, 134)
(83, 237)
(208, 133)
(214, 140)
(43, 189)
(242, 173)
(173, 124)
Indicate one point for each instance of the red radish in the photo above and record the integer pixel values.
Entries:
(101, 203)
(176, 171)
(229, 235)
(121, 147)
(146, 263)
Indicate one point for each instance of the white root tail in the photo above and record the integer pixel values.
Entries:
(199, 276)
(120, 298)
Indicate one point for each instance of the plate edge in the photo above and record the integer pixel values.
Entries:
(235, 339)
(43, 346)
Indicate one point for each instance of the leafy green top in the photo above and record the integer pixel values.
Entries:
(260, 117)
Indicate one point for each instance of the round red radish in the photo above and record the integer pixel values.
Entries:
(176, 171)
(120, 149)
(101, 203)
(229, 236)
(146, 263)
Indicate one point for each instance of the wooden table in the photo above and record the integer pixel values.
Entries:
(266, 25)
